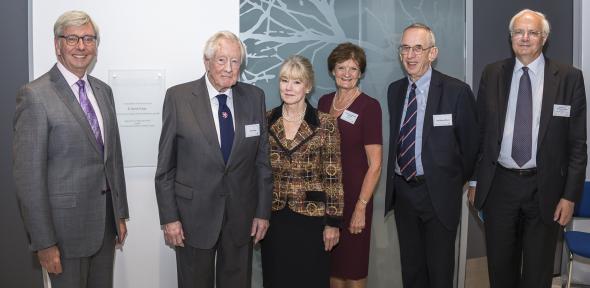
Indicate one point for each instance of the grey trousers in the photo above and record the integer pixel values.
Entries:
(95, 271)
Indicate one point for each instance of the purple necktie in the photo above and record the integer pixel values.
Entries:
(523, 121)
(90, 114)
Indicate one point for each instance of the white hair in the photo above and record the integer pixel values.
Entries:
(546, 26)
(424, 27)
(213, 42)
(76, 19)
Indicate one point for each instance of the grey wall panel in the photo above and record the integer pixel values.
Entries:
(491, 42)
(19, 266)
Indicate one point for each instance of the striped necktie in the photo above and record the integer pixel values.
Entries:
(406, 154)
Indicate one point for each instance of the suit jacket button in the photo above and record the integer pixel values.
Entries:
(494, 163)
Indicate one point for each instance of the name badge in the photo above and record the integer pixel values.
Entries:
(561, 110)
(349, 116)
(252, 130)
(442, 120)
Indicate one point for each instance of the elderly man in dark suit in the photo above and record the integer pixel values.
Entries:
(68, 165)
(432, 151)
(532, 161)
(213, 181)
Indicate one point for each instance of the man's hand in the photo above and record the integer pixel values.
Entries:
(331, 237)
(563, 212)
(173, 234)
(471, 194)
(259, 228)
(49, 259)
(122, 233)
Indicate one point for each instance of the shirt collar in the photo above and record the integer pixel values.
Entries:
(535, 67)
(423, 82)
(70, 77)
(213, 92)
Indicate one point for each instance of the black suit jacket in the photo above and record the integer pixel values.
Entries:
(448, 152)
(561, 148)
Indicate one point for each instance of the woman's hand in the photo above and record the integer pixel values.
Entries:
(331, 237)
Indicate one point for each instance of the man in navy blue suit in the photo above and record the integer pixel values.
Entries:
(432, 151)
(532, 162)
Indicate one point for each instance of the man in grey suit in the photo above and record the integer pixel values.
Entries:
(67, 164)
(213, 181)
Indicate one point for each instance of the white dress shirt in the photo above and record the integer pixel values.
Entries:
(71, 79)
(536, 73)
(215, 105)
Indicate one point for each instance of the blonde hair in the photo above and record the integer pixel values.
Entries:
(298, 67)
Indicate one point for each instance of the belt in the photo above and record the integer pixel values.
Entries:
(520, 172)
(416, 180)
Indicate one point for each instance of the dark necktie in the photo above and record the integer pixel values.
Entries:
(226, 127)
(523, 121)
(90, 114)
(406, 154)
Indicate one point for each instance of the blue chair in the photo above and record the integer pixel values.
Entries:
(579, 242)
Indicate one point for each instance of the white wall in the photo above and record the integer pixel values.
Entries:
(167, 35)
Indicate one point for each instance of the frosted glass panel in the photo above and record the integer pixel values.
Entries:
(273, 30)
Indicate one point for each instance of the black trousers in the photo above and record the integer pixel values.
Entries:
(427, 247)
(520, 246)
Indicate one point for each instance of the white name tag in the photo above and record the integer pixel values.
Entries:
(442, 120)
(349, 117)
(561, 110)
(252, 130)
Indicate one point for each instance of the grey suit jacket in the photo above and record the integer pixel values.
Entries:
(193, 184)
(59, 171)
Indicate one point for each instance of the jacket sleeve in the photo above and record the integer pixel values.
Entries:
(263, 168)
(166, 169)
(332, 172)
(576, 174)
(29, 152)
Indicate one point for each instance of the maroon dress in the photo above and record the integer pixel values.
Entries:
(350, 258)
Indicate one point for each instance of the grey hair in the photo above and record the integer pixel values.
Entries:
(298, 67)
(546, 26)
(213, 42)
(74, 18)
(424, 27)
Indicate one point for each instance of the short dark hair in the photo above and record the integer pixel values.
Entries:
(346, 51)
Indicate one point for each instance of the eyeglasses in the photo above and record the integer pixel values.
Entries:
(418, 49)
(71, 40)
(519, 33)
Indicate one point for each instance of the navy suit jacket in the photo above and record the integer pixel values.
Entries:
(561, 147)
(448, 152)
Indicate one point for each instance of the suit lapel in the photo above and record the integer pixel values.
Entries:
(241, 108)
(64, 92)
(398, 100)
(504, 94)
(105, 112)
(433, 98)
(550, 86)
(201, 107)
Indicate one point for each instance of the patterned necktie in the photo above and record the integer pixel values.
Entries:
(523, 121)
(406, 154)
(226, 127)
(90, 114)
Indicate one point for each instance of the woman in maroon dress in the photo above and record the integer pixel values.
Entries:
(359, 122)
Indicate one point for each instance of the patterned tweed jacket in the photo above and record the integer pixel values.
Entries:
(306, 170)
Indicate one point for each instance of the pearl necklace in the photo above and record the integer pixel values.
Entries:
(356, 94)
(296, 118)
